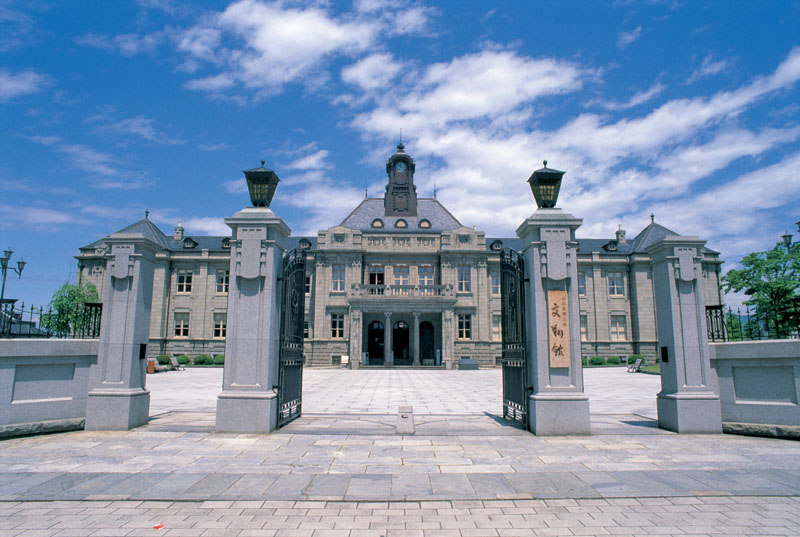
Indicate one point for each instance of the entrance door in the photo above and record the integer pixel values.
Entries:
(402, 356)
(426, 343)
(375, 343)
(515, 382)
(290, 360)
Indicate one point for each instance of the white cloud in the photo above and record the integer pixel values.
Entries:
(626, 38)
(213, 147)
(125, 44)
(259, 47)
(140, 126)
(237, 186)
(638, 98)
(23, 83)
(710, 67)
(373, 72)
(313, 161)
(207, 226)
(41, 219)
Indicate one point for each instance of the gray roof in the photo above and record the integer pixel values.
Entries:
(427, 208)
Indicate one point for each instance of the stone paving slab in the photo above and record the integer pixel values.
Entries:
(719, 515)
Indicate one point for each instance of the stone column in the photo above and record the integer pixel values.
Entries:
(448, 333)
(557, 405)
(689, 398)
(117, 398)
(248, 402)
(387, 339)
(355, 338)
(416, 360)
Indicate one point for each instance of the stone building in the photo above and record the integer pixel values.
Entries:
(400, 281)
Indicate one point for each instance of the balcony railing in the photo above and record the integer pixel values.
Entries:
(360, 290)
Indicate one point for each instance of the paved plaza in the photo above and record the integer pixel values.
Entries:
(342, 471)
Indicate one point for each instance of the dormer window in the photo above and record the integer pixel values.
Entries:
(305, 244)
(496, 245)
(424, 224)
(610, 246)
(226, 243)
(377, 223)
(189, 243)
(401, 223)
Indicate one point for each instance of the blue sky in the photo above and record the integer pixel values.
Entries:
(685, 109)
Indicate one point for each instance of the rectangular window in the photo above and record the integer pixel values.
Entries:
(464, 279)
(337, 278)
(464, 327)
(401, 279)
(305, 330)
(220, 325)
(184, 281)
(376, 279)
(615, 280)
(308, 285)
(619, 329)
(337, 325)
(497, 328)
(426, 279)
(584, 328)
(181, 325)
(495, 282)
(223, 281)
(581, 284)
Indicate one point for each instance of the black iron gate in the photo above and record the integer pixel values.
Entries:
(515, 375)
(290, 363)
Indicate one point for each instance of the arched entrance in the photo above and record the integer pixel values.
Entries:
(426, 343)
(402, 356)
(375, 342)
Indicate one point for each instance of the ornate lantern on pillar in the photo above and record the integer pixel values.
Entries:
(261, 183)
(545, 184)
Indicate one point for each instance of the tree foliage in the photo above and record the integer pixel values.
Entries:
(771, 281)
(67, 306)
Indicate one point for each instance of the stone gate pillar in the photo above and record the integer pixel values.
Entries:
(355, 338)
(689, 398)
(248, 403)
(557, 404)
(117, 398)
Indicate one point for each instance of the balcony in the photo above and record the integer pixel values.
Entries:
(360, 291)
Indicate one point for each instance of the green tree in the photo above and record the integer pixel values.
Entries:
(771, 280)
(67, 307)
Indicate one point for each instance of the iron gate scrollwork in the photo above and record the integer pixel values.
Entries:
(515, 371)
(290, 362)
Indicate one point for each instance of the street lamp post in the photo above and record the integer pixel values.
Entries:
(4, 266)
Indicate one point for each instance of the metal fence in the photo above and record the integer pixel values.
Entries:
(82, 322)
(751, 324)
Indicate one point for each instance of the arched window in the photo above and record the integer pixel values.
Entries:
(424, 224)
(401, 223)
(377, 223)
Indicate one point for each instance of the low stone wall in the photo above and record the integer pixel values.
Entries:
(759, 382)
(43, 384)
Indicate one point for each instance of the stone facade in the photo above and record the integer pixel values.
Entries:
(404, 283)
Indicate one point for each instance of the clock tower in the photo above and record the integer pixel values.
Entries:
(401, 194)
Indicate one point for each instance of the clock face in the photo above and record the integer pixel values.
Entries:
(400, 166)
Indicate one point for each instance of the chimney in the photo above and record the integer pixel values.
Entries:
(178, 232)
(620, 235)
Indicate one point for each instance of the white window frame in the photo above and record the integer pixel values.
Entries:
(337, 278)
(183, 280)
(337, 325)
(220, 325)
(581, 283)
(616, 283)
(494, 282)
(616, 333)
(464, 273)
(180, 324)
(223, 281)
(464, 326)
